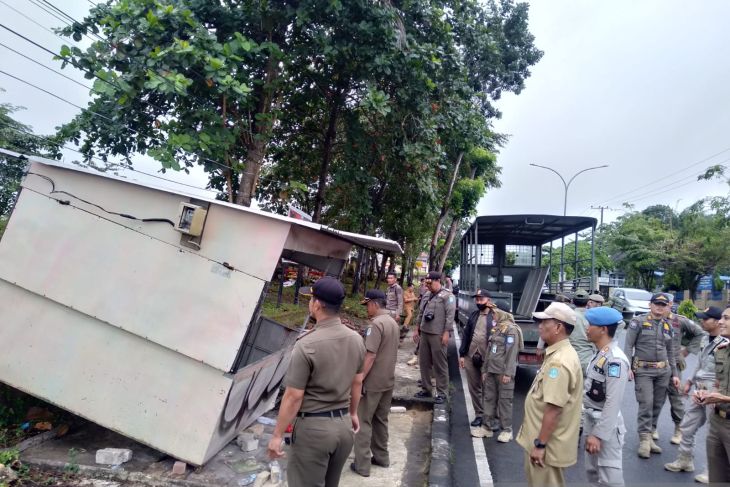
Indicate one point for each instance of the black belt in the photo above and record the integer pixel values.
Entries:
(335, 413)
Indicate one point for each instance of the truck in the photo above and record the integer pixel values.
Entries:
(510, 255)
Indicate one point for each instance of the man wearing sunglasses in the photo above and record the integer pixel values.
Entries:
(549, 431)
(650, 348)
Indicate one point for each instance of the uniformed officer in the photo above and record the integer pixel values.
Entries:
(594, 301)
(689, 332)
(578, 339)
(702, 379)
(323, 387)
(381, 343)
(650, 347)
(605, 383)
(409, 303)
(718, 438)
(498, 374)
(435, 323)
(473, 350)
(394, 297)
(549, 432)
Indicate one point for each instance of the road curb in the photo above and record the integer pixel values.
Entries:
(439, 473)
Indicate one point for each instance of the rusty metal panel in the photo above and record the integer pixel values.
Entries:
(116, 379)
(173, 297)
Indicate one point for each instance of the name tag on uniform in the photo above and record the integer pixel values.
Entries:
(494, 348)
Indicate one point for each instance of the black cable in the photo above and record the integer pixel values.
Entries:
(44, 66)
(123, 215)
(73, 20)
(34, 21)
(50, 12)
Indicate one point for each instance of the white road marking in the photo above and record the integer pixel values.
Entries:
(480, 454)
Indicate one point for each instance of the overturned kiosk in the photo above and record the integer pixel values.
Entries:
(139, 307)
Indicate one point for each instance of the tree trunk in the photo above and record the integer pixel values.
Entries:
(447, 245)
(381, 269)
(329, 140)
(358, 272)
(444, 211)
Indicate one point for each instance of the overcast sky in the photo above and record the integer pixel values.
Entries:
(642, 86)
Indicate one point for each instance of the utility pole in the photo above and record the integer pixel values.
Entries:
(600, 208)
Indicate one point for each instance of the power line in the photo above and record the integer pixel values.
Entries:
(44, 66)
(33, 20)
(48, 11)
(73, 20)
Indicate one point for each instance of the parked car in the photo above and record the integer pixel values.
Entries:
(630, 301)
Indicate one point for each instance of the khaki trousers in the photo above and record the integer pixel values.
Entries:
(651, 391)
(546, 476)
(432, 355)
(319, 450)
(694, 417)
(718, 449)
(372, 439)
(498, 396)
(409, 316)
(675, 402)
(474, 381)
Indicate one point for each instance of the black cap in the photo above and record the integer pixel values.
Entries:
(434, 276)
(483, 293)
(373, 294)
(660, 298)
(711, 312)
(327, 289)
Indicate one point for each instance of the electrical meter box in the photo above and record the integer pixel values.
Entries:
(191, 220)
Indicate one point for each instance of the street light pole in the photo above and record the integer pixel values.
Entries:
(565, 208)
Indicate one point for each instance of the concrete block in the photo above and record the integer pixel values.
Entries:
(243, 437)
(275, 470)
(179, 468)
(249, 445)
(113, 456)
(397, 409)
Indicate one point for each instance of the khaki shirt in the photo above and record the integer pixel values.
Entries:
(394, 300)
(382, 338)
(409, 299)
(443, 307)
(652, 340)
(479, 337)
(324, 362)
(579, 340)
(505, 343)
(722, 373)
(559, 382)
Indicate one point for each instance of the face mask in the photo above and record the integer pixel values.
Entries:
(482, 307)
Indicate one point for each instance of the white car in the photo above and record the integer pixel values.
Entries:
(630, 301)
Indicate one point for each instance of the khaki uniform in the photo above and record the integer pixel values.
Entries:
(394, 301)
(604, 386)
(372, 439)
(684, 330)
(409, 303)
(650, 348)
(559, 382)
(703, 379)
(505, 343)
(718, 439)
(583, 347)
(324, 363)
(431, 353)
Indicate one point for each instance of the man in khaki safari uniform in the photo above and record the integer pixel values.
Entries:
(323, 386)
(381, 343)
(549, 432)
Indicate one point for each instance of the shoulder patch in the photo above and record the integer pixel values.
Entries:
(614, 369)
(633, 325)
(510, 339)
(451, 298)
(369, 331)
(553, 373)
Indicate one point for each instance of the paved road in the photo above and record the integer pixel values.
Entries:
(506, 460)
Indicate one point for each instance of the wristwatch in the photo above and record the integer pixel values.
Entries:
(539, 444)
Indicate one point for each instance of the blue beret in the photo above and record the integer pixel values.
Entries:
(603, 316)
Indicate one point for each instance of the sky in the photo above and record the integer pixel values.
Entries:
(642, 86)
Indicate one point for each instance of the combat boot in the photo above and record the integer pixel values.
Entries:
(683, 463)
(653, 447)
(654, 434)
(644, 450)
(482, 432)
(413, 361)
(702, 478)
(505, 436)
(677, 436)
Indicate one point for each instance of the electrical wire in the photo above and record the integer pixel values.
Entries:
(50, 12)
(46, 67)
(123, 215)
(34, 21)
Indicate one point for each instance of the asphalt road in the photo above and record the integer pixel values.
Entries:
(506, 460)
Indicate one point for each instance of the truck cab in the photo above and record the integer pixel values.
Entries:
(509, 256)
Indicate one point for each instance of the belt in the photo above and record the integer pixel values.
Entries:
(722, 413)
(651, 365)
(335, 413)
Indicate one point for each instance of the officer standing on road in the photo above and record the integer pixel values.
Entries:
(650, 347)
(702, 379)
(381, 343)
(605, 382)
(578, 338)
(435, 323)
(549, 432)
(594, 301)
(409, 302)
(684, 330)
(718, 439)
(394, 297)
(498, 374)
(473, 350)
(323, 387)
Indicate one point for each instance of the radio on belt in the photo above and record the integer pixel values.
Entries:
(192, 219)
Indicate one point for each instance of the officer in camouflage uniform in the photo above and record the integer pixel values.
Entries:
(650, 347)
(703, 379)
(434, 325)
(689, 332)
(605, 383)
